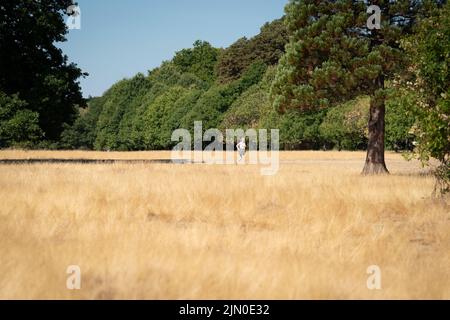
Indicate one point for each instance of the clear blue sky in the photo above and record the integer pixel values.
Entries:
(119, 38)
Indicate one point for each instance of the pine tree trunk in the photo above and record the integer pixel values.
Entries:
(375, 163)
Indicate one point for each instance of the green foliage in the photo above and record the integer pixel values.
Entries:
(298, 130)
(345, 126)
(135, 128)
(19, 126)
(121, 99)
(233, 61)
(267, 46)
(34, 68)
(433, 131)
(332, 57)
(208, 108)
(164, 115)
(429, 50)
(400, 119)
(199, 61)
(252, 106)
(301, 130)
(253, 109)
(215, 102)
(245, 112)
(82, 134)
(138, 113)
(142, 112)
(76, 136)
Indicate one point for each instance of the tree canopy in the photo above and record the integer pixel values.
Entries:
(429, 53)
(267, 47)
(33, 68)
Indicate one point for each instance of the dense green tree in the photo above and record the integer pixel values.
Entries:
(209, 108)
(212, 105)
(33, 67)
(333, 57)
(400, 119)
(298, 130)
(429, 50)
(164, 115)
(199, 61)
(245, 112)
(19, 126)
(76, 136)
(251, 106)
(233, 61)
(135, 127)
(267, 47)
(120, 100)
(83, 132)
(345, 126)
(301, 130)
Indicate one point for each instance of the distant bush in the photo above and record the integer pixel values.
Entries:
(19, 126)
(345, 126)
(400, 120)
(83, 132)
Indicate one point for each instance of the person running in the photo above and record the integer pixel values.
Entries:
(241, 148)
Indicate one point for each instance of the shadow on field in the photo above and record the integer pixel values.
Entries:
(93, 161)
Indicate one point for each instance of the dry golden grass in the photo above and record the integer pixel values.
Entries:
(165, 231)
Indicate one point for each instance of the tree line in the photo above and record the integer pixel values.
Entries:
(225, 88)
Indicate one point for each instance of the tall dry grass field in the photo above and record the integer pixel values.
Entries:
(166, 231)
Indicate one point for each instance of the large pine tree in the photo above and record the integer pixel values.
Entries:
(333, 56)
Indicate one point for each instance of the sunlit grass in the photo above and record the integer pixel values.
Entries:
(201, 231)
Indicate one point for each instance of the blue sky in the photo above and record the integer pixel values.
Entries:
(119, 38)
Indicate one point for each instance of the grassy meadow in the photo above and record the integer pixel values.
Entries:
(197, 231)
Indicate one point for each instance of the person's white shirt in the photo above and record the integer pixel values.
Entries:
(241, 145)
